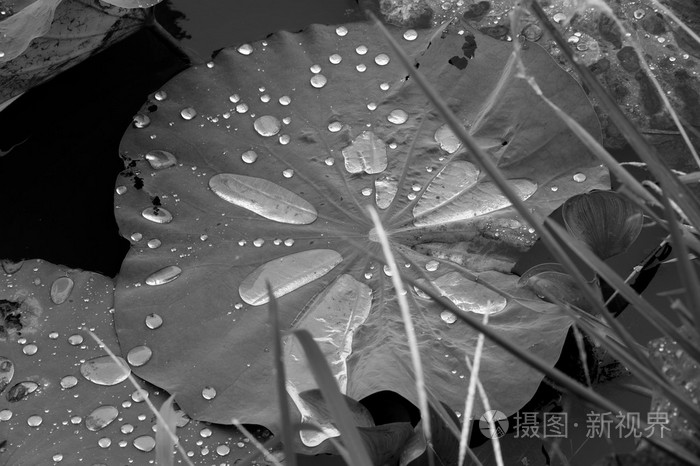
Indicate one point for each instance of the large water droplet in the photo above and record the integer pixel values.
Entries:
(385, 188)
(287, 274)
(34, 421)
(579, 177)
(153, 321)
(188, 113)
(30, 350)
(60, 290)
(159, 159)
(223, 450)
(5, 415)
(381, 59)
(366, 153)
(103, 370)
(448, 317)
(447, 140)
(468, 295)
(164, 275)
(267, 126)
(157, 215)
(144, 443)
(264, 198)
(410, 34)
(208, 393)
(245, 49)
(75, 340)
(139, 355)
(7, 371)
(318, 81)
(21, 390)
(101, 417)
(397, 117)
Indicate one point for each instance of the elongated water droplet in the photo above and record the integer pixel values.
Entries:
(397, 117)
(21, 390)
(7, 371)
(164, 275)
(335, 59)
(385, 188)
(381, 59)
(208, 393)
(410, 34)
(287, 274)
(366, 191)
(447, 140)
(318, 81)
(69, 381)
(153, 243)
(120, 190)
(448, 317)
(335, 126)
(144, 443)
(366, 153)
(157, 215)
(241, 108)
(432, 266)
(267, 126)
(579, 177)
(160, 159)
(188, 113)
(468, 295)
(139, 355)
(105, 371)
(34, 421)
(30, 350)
(153, 321)
(264, 198)
(245, 49)
(60, 290)
(75, 339)
(136, 237)
(101, 417)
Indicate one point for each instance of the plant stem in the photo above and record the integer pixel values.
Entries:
(151, 22)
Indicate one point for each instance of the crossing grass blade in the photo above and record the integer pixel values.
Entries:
(164, 441)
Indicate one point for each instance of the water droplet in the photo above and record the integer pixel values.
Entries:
(341, 31)
(448, 317)
(361, 67)
(234, 98)
(335, 126)
(286, 120)
(120, 190)
(164, 275)
(264, 198)
(57, 458)
(432, 266)
(139, 395)
(160, 159)
(104, 442)
(366, 191)
(397, 117)
(210, 64)
(146, 442)
(205, 433)
(284, 139)
(188, 113)
(468, 295)
(258, 242)
(223, 450)
(53, 335)
(245, 49)
(387, 270)
(69, 381)
(242, 242)
(559, 17)
(330, 161)
(288, 173)
(136, 237)
(61, 289)
(105, 371)
(21, 390)
(289, 242)
(160, 96)
(366, 153)
(285, 100)
(371, 106)
(384, 86)
(5, 415)
(579, 177)
(639, 14)
(381, 59)
(410, 34)
(361, 50)
(385, 188)
(153, 243)
(153, 321)
(30, 350)
(139, 355)
(264, 98)
(157, 215)
(34, 421)
(335, 59)
(126, 429)
(141, 121)
(101, 417)
(249, 156)
(315, 68)
(447, 140)
(241, 108)
(318, 81)
(554, 188)
(287, 274)
(75, 420)
(208, 393)
(267, 126)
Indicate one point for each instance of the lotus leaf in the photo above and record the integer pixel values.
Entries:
(260, 165)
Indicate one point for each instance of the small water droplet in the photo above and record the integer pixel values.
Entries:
(384, 86)
(61, 289)
(335, 59)
(267, 126)
(234, 98)
(75, 420)
(432, 266)
(57, 458)
(315, 68)
(103, 370)
(139, 355)
(157, 215)
(330, 161)
(579, 177)
(5, 415)
(286, 120)
(53, 335)
(397, 117)
(69, 381)
(141, 121)
(245, 49)
(145, 442)
(101, 417)
(136, 237)
(153, 321)
(416, 187)
(205, 432)
(361, 67)
(341, 31)
(120, 190)
(371, 106)
(288, 173)
(126, 429)
(285, 100)
(387, 270)
(242, 108)
(160, 95)
(160, 159)
(410, 34)
(188, 113)
(335, 126)
(208, 393)
(366, 191)
(639, 14)
(258, 242)
(242, 242)
(361, 50)
(164, 275)
(448, 317)
(264, 98)
(289, 242)
(559, 17)
(153, 243)
(554, 188)
(249, 156)
(318, 81)
(284, 139)
(34, 421)
(381, 59)
(30, 350)
(139, 395)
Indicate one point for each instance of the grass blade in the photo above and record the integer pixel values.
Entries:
(471, 392)
(164, 441)
(259, 446)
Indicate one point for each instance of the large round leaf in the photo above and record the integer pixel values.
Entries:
(259, 167)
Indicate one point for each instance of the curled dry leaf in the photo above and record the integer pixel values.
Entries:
(606, 221)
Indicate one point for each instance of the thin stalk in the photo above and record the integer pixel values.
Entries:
(192, 57)
(471, 393)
